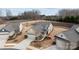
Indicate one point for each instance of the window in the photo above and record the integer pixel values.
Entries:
(39, 37)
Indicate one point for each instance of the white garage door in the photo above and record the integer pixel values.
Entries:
(61, 44)
(3, 39)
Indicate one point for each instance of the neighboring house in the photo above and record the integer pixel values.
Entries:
(16, 24)
(68, 39)
(3, 37)
(25, 24)
(40, 30)
(11, 28)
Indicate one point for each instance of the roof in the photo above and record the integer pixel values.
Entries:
(40, 27)
(2, 25)
(11, 27)
(70, 35)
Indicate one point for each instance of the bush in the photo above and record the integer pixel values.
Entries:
(13, 18)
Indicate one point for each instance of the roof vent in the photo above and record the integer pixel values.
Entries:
(61, 35)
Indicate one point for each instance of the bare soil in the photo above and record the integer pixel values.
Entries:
(49, 41)
(46, 42)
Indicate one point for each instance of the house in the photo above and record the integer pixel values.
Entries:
(10, 28)
(25, 24)
(68, 39)
(40, 30)
(3, 37)
(16, 24)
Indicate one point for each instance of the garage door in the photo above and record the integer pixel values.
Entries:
(61, 44)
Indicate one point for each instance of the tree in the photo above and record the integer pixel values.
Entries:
(0, 12)
(8, 13)
(34, 14)
(69, 15)
(68, 12)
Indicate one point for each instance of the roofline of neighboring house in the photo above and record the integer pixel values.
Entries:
(5, 26)
(66, 31)
(62, 38)
(63, 32)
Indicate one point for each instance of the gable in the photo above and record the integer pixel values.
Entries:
(50, 28)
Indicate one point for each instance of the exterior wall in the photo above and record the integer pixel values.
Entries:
(12, 33)
(38, 38)
(62, 44)
(3, 39)
(50, 28)
(73, 45)
(2, 25)
(21, 27)
(4, 33)
(24, 27)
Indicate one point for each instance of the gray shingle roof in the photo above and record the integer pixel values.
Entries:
(70, 35)
(41, 26)
(11, 27)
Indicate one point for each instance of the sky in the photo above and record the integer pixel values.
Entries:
(43, 11)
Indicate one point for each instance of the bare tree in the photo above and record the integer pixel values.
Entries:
(8, 13)
(69, 12)
(34, 14)
(0, 12)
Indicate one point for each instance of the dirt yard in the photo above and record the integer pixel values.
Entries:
(49, 41)
(2, 21)
(42, 44)
(56, 30)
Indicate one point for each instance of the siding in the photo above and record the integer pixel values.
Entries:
(50, 28)
(73, 45)
(3, 39)
(62, 44)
